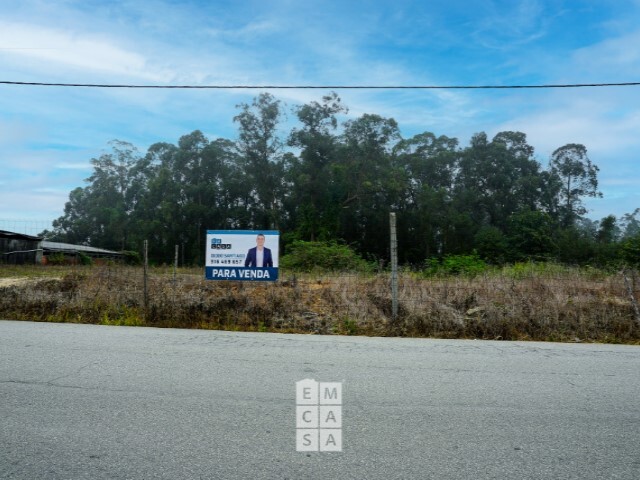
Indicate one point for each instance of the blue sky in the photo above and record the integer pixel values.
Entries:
(49, 135)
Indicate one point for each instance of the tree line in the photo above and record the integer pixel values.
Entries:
(329, 180)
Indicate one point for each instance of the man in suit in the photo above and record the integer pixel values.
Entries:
(259, 256)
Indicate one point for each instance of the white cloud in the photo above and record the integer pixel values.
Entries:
(281, 43)
(74, 166)
(75, 50)
(15, 132)
(614, 59)
(38, 205)
(577, 120)
(621, 182)
(249, 31)
(505, 28)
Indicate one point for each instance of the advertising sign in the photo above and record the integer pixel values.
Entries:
(242, 255)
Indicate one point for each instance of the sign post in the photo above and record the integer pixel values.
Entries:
(242, 255)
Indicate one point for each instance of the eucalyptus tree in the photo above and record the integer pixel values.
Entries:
(631, 224)
(499, 177)
(530, 236)
(429, 163)
(156, 217)
(522, 185)
(261, 158)
(101, 212)
(472, 206)
(312, 199)
(76, 224)
(495, 181)
(194, 187)
(114, 194)
(578, 178)
(608, 230)
(368, 186)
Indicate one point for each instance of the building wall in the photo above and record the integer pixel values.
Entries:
(18, 250)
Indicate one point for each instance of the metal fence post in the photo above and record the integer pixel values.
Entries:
(175, 276)
(146, 274)
(175, 264)
(394, 267)
(629, 286)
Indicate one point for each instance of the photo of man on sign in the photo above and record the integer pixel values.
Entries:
(259, 256)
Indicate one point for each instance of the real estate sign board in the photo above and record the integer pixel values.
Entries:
(242, 255)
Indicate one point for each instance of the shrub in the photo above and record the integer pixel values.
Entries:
(631, 250)
(491, 244)
(322, 256)
(520, 270)
(456, 265)
(85, 259)
(132, 258)
(56, 259)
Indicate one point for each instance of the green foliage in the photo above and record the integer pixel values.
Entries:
(85, 259)
(332, 181)
(465, 265)
(132, 258)
(575, 247)
(322, 256)
(631, 223)
(491, 244)
(578, 178)
(261, 159)
(121, 317)
(531, 235)
(519, 270)
(346, 326)
(631, 250)
(56, 259)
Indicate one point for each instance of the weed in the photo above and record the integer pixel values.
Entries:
(526, 301)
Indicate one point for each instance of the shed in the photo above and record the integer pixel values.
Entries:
(69, 249)
(18, 248)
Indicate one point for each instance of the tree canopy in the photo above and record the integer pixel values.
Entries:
(336, 179)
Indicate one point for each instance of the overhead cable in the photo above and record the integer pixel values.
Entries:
(320, 87)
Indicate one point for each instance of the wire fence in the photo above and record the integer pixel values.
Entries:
(535, 302)
(27, 227)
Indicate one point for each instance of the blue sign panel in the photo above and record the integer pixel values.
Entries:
(242, 255)
(242, 273)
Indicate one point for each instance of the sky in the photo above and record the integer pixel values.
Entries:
(48, 135)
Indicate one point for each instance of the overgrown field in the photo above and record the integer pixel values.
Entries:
(524, 302)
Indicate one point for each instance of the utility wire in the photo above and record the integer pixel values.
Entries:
(318, 87)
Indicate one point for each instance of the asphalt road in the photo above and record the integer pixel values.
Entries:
(93, 402)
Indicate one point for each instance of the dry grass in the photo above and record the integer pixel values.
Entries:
(564, 305)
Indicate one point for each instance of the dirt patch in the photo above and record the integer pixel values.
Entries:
(12, 282)
(18, 281)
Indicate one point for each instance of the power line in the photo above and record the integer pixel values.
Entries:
(321, 87)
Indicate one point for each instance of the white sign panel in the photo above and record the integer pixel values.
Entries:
(243, 255)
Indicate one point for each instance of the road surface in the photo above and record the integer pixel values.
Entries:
(98, 402)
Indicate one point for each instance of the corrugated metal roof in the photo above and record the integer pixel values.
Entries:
(70, 248)
(18, 236)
